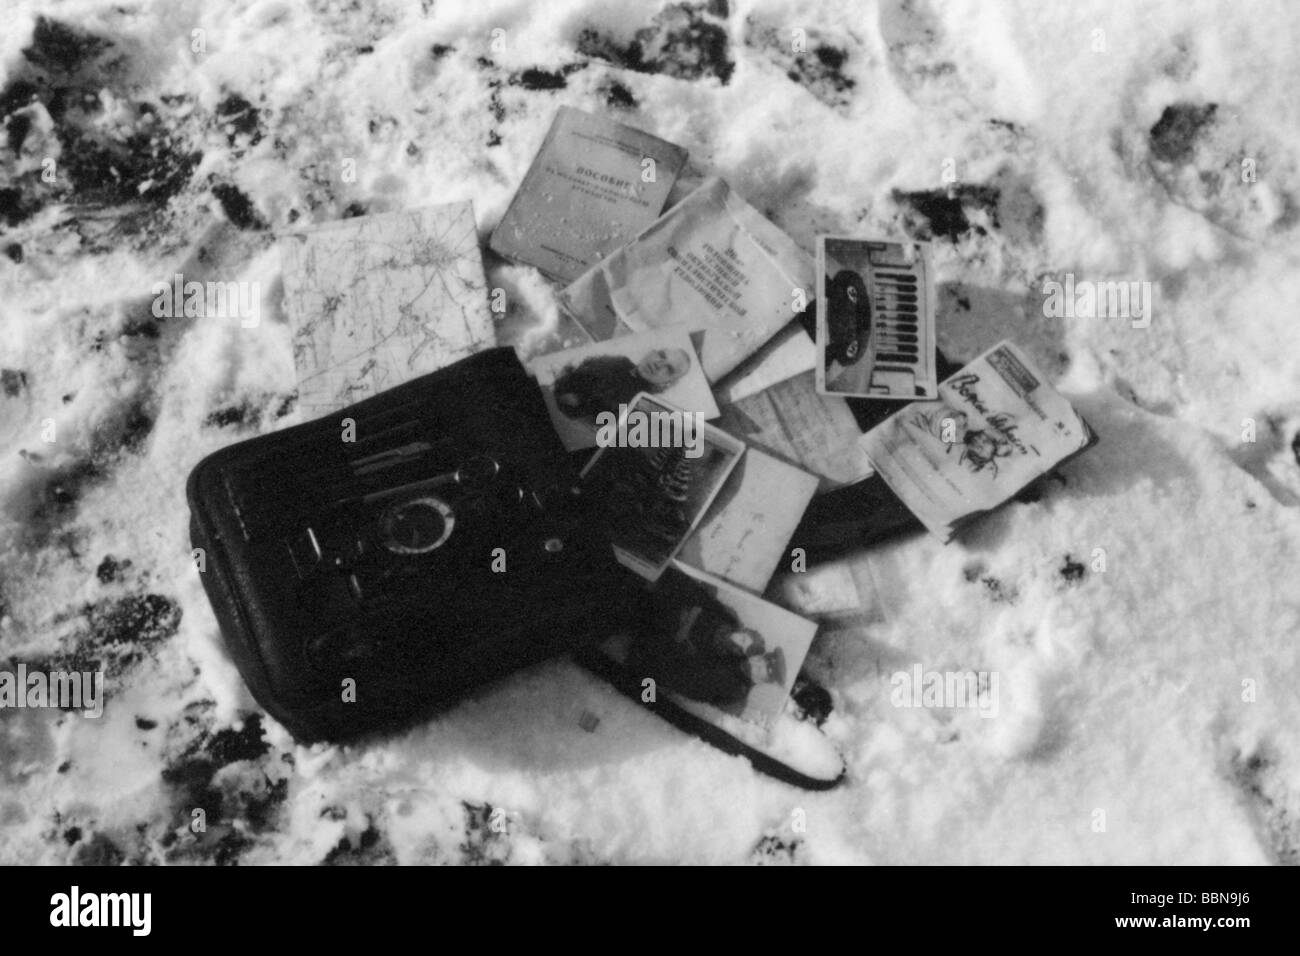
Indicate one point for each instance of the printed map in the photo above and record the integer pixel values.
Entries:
(377, 300)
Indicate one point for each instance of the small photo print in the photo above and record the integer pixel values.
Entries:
(875, 319)
(579, 384)
(658, 471)
(714, 643)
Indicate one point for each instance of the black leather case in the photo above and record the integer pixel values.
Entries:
(321, 556)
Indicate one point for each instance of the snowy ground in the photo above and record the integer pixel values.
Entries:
(1158, 698)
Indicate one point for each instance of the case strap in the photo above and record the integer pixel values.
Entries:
(600, 664)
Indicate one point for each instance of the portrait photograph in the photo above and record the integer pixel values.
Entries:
(579, 384)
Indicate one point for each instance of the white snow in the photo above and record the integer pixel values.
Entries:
(1149, 713)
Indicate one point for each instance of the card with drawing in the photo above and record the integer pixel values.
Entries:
(996, 426)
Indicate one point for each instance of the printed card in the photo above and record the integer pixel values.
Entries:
(793, 422)
(593, 186)
(712, 262)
